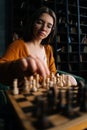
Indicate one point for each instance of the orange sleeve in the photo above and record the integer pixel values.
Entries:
(50, 59)
(15, 51)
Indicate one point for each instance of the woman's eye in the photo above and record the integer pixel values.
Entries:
(49, 26)
(39, 22)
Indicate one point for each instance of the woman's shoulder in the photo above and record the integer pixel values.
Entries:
(48, 47)
(17, 43)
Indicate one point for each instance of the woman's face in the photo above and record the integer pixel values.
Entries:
(43, 26)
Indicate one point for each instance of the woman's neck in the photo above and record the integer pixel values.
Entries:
(36, 42)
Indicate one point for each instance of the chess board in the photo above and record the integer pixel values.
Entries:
(27, 107)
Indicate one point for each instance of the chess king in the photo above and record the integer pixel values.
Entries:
(32, 53)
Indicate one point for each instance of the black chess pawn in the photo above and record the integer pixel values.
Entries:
(69, 98)
(73, 107)
(38, 106)
(42, 117)
(51, 96)
(61, 98)
(75, 90)
(83, 98)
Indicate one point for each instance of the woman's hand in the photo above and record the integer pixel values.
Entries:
(32, 65)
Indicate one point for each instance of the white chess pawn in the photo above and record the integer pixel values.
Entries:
(54, 81)
(58, 79)
(51, 84)
(48, 83)
(37, 80)
(63, 79)
(34, 89)
(26, 85)
(59, 82)
(52, 76)
(15, 87)
(57, 75)
(31, 82)
(44, 83)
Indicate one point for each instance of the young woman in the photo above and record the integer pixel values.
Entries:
(33, 53)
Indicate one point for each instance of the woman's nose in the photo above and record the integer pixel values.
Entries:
(44, 27)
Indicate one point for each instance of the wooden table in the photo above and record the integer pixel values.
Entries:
(24, 118)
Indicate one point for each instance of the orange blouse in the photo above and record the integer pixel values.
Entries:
(18, 50)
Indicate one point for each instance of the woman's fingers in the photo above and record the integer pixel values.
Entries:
(28, 65)
(42, 67)
(24, 64)
(32, 65)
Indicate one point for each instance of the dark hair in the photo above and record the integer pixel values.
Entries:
(28, 33)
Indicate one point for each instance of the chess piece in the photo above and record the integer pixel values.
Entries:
(54, 81)
(38, 102)
(58, 80)
(61, 98)
(51, 99)
(41, 112)
(82, 96)
(31, 82)
(51, 84)
(37, 81)
(47, 83)
(43, 120)
(61, 81)
(26, 84)
(34, 88)
(85, 98)
(44, 83)
(68, 81)
(52, 76)
(15, 87)
(69, 105)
